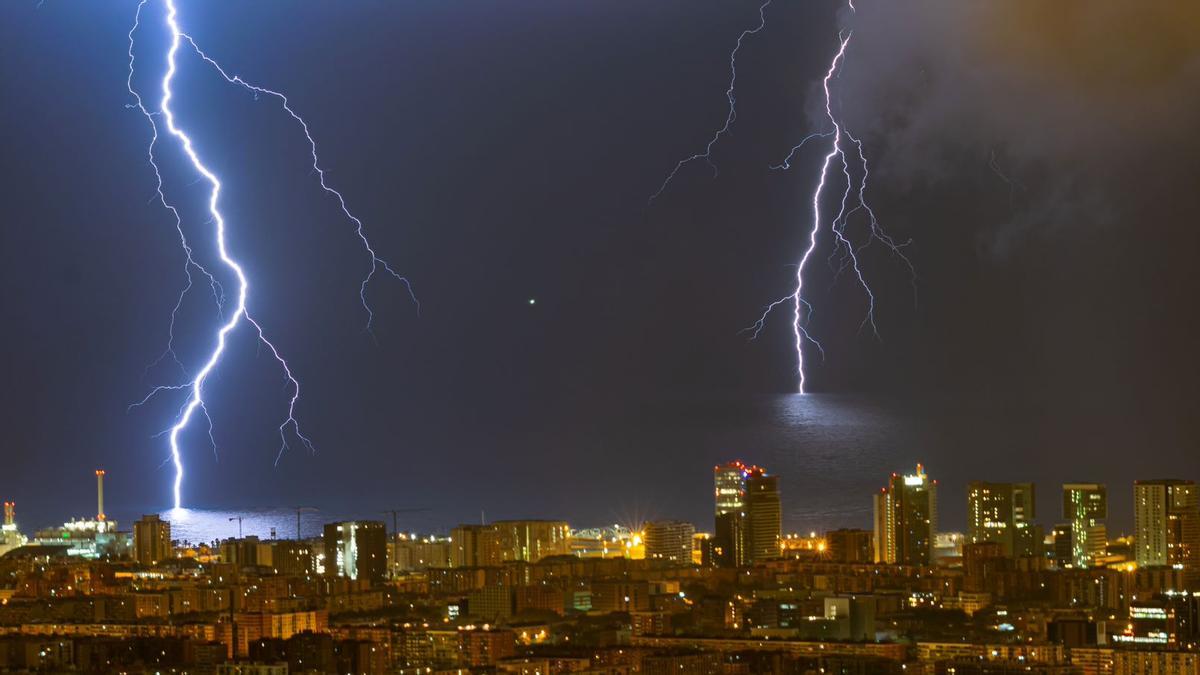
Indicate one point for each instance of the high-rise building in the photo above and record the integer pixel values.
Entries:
(765, 515)
(1004, 513)
(1085, 506)
(151, 540)
(906, 519)
(669, 540)
(748, 515)
(1166, 521)
(465, 546)
(729, 541)
(243, 552)
(291, 557)
(356, 549)
(730, 482)
(1061, 535)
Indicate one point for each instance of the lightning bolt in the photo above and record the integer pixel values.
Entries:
(377, 263)
(730, 115)
(190, 263)
(855, 171)
(240, 311)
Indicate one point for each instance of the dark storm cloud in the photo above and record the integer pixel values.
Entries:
(1060, 98)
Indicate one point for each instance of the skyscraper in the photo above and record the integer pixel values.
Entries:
(356, 549)
(748, 514)
(765, 516)
(1003, 513)
(729, 542)
(1166, 520)
(906, 519)
(1085, 506)
(151, 540)
(670, 540)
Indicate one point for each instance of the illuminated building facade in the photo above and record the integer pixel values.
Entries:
(10, 536)
(905, 516)
(151, 540)
(729, 542)
(283, 556)
(91, 538)
(614, 541)
(1004, 513)
(291, 557)
(765, 515)
(1085, 506)
(1166, 517)
(508, 540)
(748, 515)
(356, 549)
(530, 540)
(465, 544)
(670, 540)
(407, 553)
(1168, 619)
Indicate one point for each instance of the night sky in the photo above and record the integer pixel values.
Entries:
(1043, 158)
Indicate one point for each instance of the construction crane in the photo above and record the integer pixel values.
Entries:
(397, 512)
(299, 510)
(239, 519)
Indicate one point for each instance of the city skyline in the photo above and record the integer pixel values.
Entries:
(840, 337)
(1002, 512)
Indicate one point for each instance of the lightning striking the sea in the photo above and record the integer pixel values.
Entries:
(855, 170)
(844, 150)
(853, 200)
(230, 318)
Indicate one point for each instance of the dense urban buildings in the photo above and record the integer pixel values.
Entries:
(535, 596)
